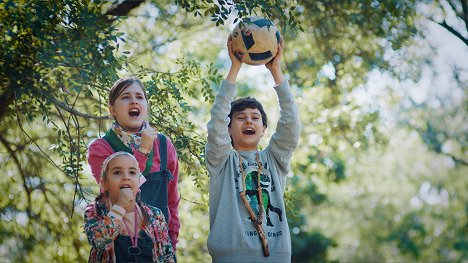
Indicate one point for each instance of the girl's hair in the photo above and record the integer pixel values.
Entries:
(120, 85)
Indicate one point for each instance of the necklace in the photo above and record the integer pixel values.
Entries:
(256, 220)
(133, 250)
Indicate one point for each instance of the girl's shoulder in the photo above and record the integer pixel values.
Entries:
(96, 208)
(152, 210)
(99, 148)
(165, 137)
(154, 213)
(171, 150)
(98, 142)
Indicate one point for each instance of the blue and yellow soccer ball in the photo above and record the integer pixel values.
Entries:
(255, 40)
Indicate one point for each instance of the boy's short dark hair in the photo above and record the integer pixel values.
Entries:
(244, 103)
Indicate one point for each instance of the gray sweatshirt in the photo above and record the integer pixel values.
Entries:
(233, 237)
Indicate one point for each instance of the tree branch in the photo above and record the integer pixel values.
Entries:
(5, 100)
(456, 159)
(452, 30)
(193, 202)
(21, 171)
(123, 8)
(64, 106)
(465, 12)
(34, 142)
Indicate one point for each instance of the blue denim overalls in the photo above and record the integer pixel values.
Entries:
(122, 244)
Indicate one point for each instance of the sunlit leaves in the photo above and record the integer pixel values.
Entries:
(219, 10)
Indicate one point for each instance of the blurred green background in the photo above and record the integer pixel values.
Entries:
(380, 174)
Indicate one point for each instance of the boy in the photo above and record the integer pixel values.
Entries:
(247, 213)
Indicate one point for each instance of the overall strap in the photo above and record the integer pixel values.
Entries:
(162, 151)
(163, 155)
(117, 145)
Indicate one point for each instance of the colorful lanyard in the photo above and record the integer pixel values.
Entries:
(133, 250)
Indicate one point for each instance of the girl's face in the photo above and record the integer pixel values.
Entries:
(130, 109)
(122, 172)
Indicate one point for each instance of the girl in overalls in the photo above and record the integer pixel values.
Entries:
(156, 155)
(119, 227)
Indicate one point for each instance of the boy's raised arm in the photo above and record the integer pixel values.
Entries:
(286, 137)
(274, 66)
(219, 140)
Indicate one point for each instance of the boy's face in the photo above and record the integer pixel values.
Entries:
(122, 172)
(246, 129)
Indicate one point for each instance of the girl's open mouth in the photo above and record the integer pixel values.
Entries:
(134, 112)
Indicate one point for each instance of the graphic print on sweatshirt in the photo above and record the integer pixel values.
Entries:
(251, 192)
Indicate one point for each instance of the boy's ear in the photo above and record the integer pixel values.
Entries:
(263, 130)
(229, 130)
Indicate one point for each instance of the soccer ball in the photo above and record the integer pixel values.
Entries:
(255, 40)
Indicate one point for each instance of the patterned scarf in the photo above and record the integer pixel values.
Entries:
(131, 140)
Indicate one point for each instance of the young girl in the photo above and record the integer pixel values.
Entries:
(156, 155)
(120, 228)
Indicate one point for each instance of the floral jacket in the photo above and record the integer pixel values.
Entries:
(102, 229)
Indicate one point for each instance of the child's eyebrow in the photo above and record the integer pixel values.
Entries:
(243, 113)
(116, 168)
(128, 93)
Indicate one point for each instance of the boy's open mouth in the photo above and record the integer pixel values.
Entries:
(248, 131)
(134, 112)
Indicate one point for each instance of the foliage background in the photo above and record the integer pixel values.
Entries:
(380, 173)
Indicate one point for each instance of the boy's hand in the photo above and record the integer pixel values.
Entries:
(274, 66)
(236, 63)
(148, 135)
(126, 199)
(234, 60)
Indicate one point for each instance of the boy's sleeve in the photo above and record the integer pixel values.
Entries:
(219, 142)
(102, 231)
(173, 194)
(286, 137)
